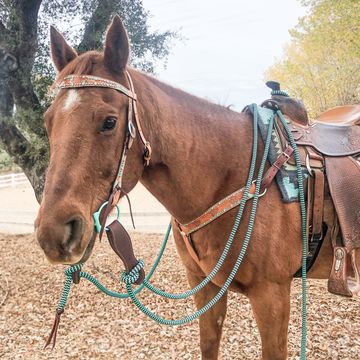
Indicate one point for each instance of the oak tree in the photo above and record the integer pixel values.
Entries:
(321, 65)
(26, 71)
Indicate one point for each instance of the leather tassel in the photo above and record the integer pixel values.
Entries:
(54, 330)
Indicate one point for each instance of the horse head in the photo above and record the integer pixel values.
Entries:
(86, 128)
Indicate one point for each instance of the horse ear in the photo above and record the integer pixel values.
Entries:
(116, 51)
(61, 52)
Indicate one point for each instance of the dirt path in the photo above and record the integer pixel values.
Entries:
(98, 327)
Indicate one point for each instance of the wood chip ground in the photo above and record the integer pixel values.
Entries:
(95, 326)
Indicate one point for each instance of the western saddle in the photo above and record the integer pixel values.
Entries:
(328, 149)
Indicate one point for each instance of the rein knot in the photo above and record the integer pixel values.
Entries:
(72, 269)
(133, 275)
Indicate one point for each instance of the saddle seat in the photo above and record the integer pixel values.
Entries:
(347, 115)
(328, 148)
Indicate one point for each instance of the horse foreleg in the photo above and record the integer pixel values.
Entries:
(211, 322)
(271, 307)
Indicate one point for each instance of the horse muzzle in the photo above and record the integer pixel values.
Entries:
(64, 242)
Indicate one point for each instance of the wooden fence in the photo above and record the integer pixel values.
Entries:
(13, 180)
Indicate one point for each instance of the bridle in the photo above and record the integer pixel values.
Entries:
(118, 237)
(133, 125)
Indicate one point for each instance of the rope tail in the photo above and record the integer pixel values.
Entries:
(54, 330)
(72, 274)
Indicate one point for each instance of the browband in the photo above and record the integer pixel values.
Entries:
(81, 81)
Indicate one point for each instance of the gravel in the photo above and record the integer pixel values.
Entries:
(98, 327)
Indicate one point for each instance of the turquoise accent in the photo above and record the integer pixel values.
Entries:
(280, 92)
(265, 114)
(290, 188)
(96, 216)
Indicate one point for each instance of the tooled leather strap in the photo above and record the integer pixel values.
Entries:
(215, 211)
(228, 203)
(83, 81)
(234, 199)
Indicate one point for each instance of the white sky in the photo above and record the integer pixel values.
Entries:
(227, 45)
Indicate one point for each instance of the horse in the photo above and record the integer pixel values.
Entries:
(200, 153)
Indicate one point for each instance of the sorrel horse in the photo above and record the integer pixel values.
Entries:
(201, 153)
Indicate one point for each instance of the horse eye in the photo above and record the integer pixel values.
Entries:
(109, 123)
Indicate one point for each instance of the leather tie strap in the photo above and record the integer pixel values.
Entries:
(318, 202)
(273, 170)
(54, 330)
(120, 242)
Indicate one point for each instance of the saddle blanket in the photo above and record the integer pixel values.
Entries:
(286, 177)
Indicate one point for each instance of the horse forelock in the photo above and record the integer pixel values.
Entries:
(83, 64)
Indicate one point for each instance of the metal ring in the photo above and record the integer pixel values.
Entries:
(97, 214)
(263, 193)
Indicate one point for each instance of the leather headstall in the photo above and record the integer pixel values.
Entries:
(118, 237)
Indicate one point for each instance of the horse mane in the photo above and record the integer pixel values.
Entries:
(85, 64)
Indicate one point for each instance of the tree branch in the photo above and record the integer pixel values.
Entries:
(13, 141)
(96, 26)
(20, 150)
(16, 62)
(17, 145)
(21, 44)
(2, 28)
(4, 33)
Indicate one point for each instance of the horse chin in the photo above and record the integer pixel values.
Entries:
(88, 249)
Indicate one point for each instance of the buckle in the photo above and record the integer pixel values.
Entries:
(286, 155)
(132, 129)
(147, 153)
(307, 164)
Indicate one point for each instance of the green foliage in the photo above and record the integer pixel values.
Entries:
(322, 64)
(73, 18)
(6, 163)
(147, 48)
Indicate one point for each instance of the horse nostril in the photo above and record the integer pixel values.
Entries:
(73, 233)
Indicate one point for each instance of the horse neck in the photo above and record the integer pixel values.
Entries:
(200, 151)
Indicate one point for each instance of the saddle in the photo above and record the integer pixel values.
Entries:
(328, 147)
(341, 115)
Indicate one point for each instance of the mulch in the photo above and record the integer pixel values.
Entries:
(98, 327)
